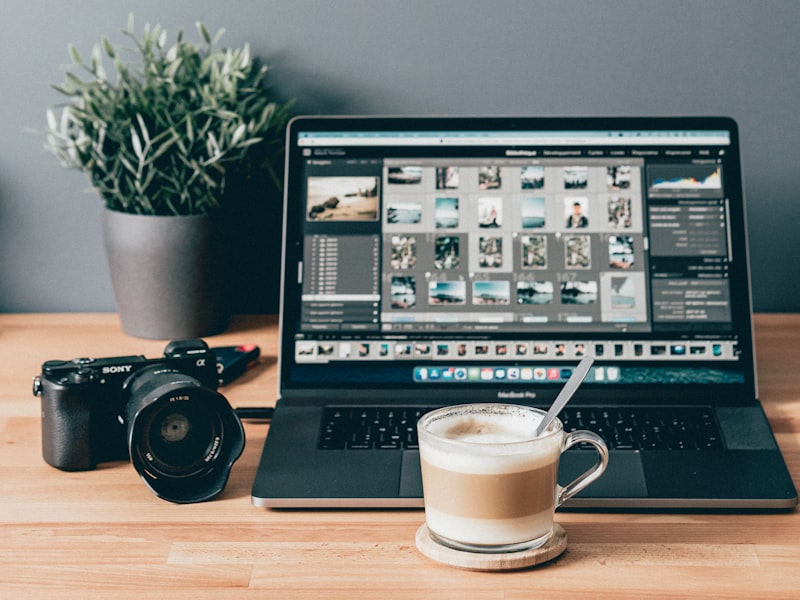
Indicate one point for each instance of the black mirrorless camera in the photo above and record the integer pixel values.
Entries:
(164, 414)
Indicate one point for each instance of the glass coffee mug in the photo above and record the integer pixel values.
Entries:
(490, 484)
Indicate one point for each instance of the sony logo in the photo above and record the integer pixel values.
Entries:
(117, 369)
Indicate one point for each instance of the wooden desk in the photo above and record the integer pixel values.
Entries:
(103, 534)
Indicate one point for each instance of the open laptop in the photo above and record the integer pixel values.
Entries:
(431, 261)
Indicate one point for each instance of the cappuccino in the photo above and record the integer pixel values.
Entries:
(487, 480)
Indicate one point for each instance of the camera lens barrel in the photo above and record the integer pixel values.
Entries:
(183, 437)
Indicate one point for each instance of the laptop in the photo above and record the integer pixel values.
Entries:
(434, 261)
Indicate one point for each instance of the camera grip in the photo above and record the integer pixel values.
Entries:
(66, 435)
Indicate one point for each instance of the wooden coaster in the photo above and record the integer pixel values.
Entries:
(476, 561)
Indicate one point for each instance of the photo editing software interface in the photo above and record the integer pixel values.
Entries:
(500, 257)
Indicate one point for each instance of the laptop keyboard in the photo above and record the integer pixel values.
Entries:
(630, 428)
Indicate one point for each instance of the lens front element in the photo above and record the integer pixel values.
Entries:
(175, 427)
(182, 436)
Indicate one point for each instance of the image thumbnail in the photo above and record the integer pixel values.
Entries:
(409, 175)
(404, 292)
(446, 213)
(619, 212)
(578, 292)
(490, 252)
(490, 212)
(489, 178)
(533, 215)
(447, 292)
(447, 178)
(491, 292)
(534, 292)
(618, 177)
(404, 252)
(342, 199)
(532, 178)
(620, 252)
(623, 293)
(403, 213)
(305, 348)
(577, 249)
(575, 210)
(446, 253)
(576, 178)
(534, 251)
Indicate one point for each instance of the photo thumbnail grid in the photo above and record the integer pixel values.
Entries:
(548, 242)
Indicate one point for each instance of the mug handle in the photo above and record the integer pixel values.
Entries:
(578, 437)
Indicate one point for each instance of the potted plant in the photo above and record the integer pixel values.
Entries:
(163, 139)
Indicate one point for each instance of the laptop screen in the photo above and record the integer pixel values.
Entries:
(467, 255)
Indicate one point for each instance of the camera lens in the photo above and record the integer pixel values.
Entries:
(183, 437)
(180, 436)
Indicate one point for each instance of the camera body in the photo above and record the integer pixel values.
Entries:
(164, 414)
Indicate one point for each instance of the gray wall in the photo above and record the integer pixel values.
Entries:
(515, 57)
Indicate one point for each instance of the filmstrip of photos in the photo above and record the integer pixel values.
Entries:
(460, 351)
(491, 220)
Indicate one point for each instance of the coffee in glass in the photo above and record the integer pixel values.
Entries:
(489, 483)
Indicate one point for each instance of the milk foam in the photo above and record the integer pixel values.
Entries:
(490, 532)
(483, 450)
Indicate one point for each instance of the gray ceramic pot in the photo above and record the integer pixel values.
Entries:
(167, 274)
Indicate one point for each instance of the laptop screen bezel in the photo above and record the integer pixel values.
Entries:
(294, 211)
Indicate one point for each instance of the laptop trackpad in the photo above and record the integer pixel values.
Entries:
(410, 475)
(624, 477)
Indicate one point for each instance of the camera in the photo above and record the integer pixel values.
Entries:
(165, 414)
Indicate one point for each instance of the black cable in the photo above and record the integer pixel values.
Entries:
(258, 413)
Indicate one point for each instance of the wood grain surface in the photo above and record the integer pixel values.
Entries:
(103, 534)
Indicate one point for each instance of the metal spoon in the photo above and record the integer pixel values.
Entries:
(566, 392)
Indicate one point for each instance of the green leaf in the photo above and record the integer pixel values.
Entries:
(137, 143)
(218, 37)
(97, 63)
(74, 81)
(203, 32)
(143, 129)
(238, 134)
(52, 122)
(75, 55)
(189, 131)
(109, 48)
